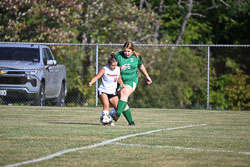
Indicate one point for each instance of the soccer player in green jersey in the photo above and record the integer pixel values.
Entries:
(129, 61)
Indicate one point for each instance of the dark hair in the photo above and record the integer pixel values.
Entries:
(112, 59)
(130, 45)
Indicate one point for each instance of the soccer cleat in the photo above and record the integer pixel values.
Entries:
(132, 123)
(115, 116)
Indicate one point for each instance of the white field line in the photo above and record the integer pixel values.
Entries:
(60, 153)
(181, 148)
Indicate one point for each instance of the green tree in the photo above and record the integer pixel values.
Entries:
(37, 21)
(238, 92)
(177, 84)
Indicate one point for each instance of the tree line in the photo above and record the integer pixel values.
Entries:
(144, 21)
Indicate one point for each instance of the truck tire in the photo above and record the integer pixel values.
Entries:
(40, 99)
(60, 101)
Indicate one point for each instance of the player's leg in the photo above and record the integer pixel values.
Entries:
(122, 103)
(125, 93)
(127, 114)
(114, 101)
(105, 102)
(103, 97)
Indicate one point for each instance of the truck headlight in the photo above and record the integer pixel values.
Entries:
(31, 72)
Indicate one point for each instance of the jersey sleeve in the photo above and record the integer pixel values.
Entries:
(104, 67)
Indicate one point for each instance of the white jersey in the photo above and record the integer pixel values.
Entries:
(109, 80)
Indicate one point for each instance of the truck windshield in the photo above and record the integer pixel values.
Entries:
(19, 54)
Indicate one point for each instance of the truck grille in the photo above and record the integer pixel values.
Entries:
(13, 80)
(16, 80)
(15, 72)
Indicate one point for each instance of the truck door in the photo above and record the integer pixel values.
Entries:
(49, 73)
(55, 80)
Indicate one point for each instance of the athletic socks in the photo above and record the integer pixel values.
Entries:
(105, 112)
(120, 109)
(121, 106)
(127, 114)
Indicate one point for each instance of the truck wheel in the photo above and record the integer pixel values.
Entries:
(40, 99)
(60, 101)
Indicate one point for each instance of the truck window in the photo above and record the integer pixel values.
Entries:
(48, 54)
(19, 54)
(44, 57)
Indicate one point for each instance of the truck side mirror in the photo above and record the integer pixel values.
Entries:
(51, 62)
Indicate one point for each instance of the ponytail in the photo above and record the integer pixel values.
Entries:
(112, 55)
(136, 53)
(112, 59)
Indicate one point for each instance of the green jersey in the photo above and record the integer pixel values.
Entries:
(132, 63)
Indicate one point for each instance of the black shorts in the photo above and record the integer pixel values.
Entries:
(110, 96)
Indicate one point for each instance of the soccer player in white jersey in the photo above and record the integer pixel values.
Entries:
(107, 89)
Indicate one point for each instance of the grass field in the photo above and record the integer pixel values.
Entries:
(51, 136)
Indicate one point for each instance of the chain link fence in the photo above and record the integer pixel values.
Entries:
(184, 76)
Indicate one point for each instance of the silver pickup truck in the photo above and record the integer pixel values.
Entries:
(30, 73)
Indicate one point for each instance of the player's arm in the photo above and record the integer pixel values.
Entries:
(98, 76)
(145, 73)
(120, 81)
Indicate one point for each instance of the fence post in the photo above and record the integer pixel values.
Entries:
(96, 71)
(208, 69)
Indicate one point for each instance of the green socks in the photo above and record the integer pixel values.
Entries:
(127, 114)
(120, 109)
(121, 106)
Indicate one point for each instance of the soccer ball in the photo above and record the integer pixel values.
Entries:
(106, 119)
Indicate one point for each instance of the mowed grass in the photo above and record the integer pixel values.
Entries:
(29, 133)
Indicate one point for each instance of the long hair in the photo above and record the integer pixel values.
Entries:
(130, 45)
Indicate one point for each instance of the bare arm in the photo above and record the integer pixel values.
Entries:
(145, 73)
(120, 81)
(99, 75)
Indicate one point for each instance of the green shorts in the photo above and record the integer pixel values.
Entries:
(132, 83)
